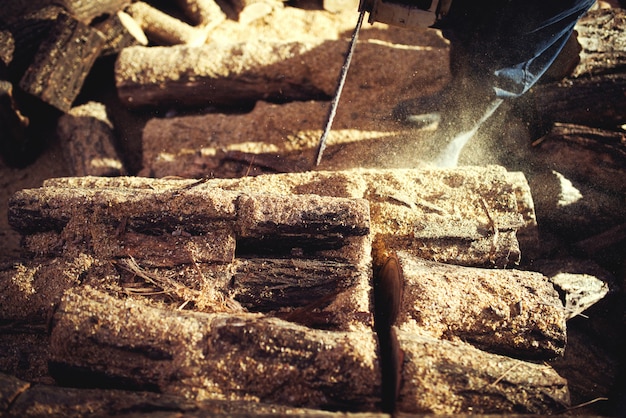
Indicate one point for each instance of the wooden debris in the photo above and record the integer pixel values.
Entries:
(88, 141)
(510, 312)
(214, 356)
(62, 62)
(444, 377)
(12, 124)
(164, 29)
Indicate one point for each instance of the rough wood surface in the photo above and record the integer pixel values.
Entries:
(223, 73)
(22, 399)
(62, 62)
(88, 141)
(214, 356)
(443, 377)
(202, 12)
(204, 248)
(510, 312)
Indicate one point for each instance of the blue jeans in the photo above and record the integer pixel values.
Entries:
(509, 44)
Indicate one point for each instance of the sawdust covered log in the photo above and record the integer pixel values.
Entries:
(468, 216)
(445, 377)
(204, 248)
(510, 312)
(224, 73)
(213, 356)
(22, 399)
(88, 140)
(62, 62)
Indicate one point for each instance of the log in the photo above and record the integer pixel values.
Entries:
(62, 62)
(467, 216)
(213, 356)
(88, 141)
(223, 73)
(205, 248)
(21, 399)
(446, 377)
(164, 29)
(510, 312)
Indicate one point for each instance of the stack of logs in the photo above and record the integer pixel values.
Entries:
(261, 291)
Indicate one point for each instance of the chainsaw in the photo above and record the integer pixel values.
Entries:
(403, 13)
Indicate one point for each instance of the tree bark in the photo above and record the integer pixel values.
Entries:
(510, 312)
(213, 356)
(88, 142)
(62, 62)
(86, 11)
(445, 377)
(222, 74)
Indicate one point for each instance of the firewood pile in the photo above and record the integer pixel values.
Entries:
(195, 261)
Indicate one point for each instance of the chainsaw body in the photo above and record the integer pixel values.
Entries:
(405, 13)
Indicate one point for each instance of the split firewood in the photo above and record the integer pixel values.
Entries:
(22, 399)
(510, 312)
(120, 31)
(223, 73)
(164, 29)
(88, 141)
(213, 356)
(443, 377)
(467, 216)
(86, 11)
(212, 250)
(62, 62)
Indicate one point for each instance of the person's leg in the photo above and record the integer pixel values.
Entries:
(499, 49)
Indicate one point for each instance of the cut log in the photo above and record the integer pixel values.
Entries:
(467, 216)
(62, 62)
(88, 141)
(510, 312)
(223, 74)
(164, 29)
(444, 377)
(593, 156)
(205, 248)
(213, 356)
